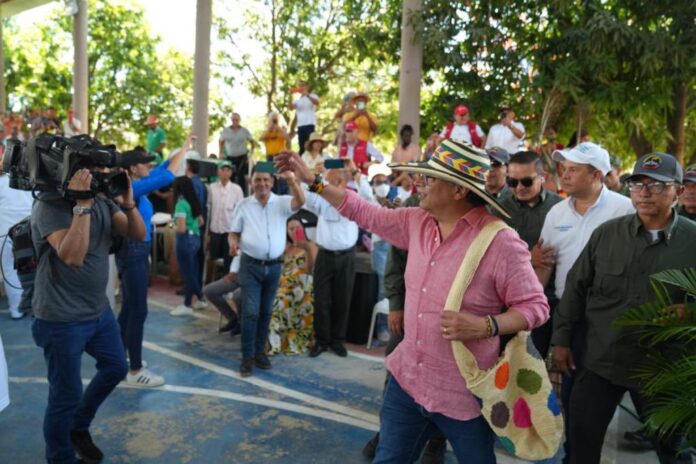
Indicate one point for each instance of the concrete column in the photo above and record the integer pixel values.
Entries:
(201, 74)
(3, 96)
(410, 69)
(80, 66)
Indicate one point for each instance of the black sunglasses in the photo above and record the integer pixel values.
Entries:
(526, 182)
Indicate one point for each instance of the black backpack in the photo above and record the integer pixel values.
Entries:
(25, 260)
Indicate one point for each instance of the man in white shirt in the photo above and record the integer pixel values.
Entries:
(16, 205)
(72, 125)
(223, 198)
(508, 133)
(304, 108)
(334, 269)
(259, 231)
(570, 223)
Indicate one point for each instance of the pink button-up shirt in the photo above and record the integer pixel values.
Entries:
(222, 201)
(423, 363)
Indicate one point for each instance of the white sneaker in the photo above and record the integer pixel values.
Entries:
(200, 304)
(181, 310)
(144, 378)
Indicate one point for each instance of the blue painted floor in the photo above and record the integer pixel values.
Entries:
(303, 410)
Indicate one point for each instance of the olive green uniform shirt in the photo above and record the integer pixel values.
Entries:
(611, 276)
(683, 212)
(525, 220)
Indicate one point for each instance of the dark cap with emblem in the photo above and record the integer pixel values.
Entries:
(498, 154)
(690, 173)
(658, 166)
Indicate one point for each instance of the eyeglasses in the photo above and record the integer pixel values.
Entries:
(526, 182)
(496, 164)
(653, 187)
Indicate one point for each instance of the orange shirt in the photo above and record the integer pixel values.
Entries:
(364, 131)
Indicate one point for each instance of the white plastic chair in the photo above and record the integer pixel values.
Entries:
(381, 307)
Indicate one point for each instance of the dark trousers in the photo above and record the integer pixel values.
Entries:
(334, 275)
(259, 284)
(405, 426)
(132, 266)
(303, 133)
(187, 246)
(592, 405)
(240, 171)
(215, 293)
(220, 248)
(69, 408)
(541, 336)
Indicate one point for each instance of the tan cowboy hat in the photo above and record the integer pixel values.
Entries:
(359, 96)
(315, 137)
(152, 119)
(460, 163)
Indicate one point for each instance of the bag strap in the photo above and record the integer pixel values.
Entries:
(465, 359)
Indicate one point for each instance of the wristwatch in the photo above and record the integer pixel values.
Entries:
(81, 210)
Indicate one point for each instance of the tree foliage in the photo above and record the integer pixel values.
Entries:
(129, 77)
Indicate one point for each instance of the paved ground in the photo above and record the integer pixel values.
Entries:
(302, 411)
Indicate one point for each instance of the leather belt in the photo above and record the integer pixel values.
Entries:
(264, 262)
(339, 252)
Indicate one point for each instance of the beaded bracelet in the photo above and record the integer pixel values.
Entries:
(489, 327)
(317, 186)
(496, 328)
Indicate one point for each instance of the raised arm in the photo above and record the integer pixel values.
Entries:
(128, 223)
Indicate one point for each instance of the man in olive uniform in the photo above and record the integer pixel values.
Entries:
(611, 276)
(687, 200)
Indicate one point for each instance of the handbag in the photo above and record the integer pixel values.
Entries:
(516, 396)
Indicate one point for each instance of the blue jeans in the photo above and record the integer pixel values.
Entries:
(259, 284)
(380, 249)
(187, 246)
(303, 133)
(406, 427)
(68, 407)
(132, 266)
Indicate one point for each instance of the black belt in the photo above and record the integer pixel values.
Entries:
(339, 252)
(264, 262)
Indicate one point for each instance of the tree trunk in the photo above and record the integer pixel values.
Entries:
(639, 143)
(274, 58)
(676, 121)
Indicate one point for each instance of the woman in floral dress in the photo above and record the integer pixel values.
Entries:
(292, 322)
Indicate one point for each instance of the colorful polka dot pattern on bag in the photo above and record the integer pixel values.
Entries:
(515, 395)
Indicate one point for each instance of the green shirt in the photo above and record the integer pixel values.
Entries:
(683, 212)
(525, 220)
(611, 276)
(394, 285)
(155, 138)
(183, 209)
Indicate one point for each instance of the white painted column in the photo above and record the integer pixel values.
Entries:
(80, 66)
(201, 75)
(410, 69)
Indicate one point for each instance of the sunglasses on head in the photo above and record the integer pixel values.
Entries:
(526, 182)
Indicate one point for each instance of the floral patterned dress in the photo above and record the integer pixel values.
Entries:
(292, 323)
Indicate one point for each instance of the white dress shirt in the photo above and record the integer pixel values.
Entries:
(304, 110)
(263, 229)
(334, 232)
(501, 136)
(567, 231)
(222, 201)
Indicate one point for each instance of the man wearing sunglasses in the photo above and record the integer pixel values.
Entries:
(611, 276)
(528, 205)
(495, 179)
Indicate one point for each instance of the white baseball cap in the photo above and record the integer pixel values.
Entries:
(586, 153)
(377, 169)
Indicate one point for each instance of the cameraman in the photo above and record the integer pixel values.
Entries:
(508, 133)
(73, 316)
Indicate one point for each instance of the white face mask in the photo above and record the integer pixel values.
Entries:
(360, 105)
(382, 190)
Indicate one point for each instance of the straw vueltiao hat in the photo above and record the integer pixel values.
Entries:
(359, 96)
(315, 137)
(460, 163)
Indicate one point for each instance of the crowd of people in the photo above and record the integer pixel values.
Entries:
(581, 244)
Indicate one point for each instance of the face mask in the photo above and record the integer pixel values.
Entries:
(360, 105)
(382, 190)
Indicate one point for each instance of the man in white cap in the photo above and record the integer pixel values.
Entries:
(569, 224)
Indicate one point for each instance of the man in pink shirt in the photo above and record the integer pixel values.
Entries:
(426, 388)
(223, 198)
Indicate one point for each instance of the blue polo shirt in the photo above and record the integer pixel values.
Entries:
(158, 178)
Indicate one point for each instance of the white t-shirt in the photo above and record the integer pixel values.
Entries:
(305, 111)
(568, 232)
(15, 205)
(501, 136)
(462, 133)
(67, 129)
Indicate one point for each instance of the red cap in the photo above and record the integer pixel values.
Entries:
(461, 110)
(350, 126)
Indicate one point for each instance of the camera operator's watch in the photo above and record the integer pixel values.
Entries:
(81, 210)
